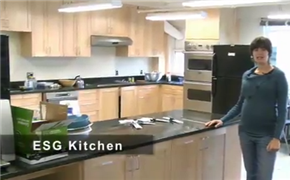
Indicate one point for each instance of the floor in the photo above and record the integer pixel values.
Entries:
(282, 171)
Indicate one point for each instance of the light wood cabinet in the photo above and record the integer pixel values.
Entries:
(172, 97)
(211, 149)
(29, 101)
(148, 99)
(204, 29)
(76, 33)
(109, 103)
(184, 159)
(113, 22)
(15, 16)
(89, 104)
(129, 101)
(45, 40)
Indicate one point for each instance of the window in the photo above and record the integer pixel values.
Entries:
(280, 38)
(177, 63)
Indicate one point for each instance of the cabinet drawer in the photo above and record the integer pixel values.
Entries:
(89, 106)
(30, 96)
(14, 97)
(94, 115)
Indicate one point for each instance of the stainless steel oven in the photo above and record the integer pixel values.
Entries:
(198, 61)
(197, 96)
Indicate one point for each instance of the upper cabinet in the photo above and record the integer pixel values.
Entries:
(147, 36)
(76, 33)
(204, 29)
(56, 34)
(15, 16)
(113, 22)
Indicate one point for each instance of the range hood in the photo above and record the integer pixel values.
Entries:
(109, 41)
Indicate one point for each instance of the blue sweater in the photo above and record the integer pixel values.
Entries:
(262, 103)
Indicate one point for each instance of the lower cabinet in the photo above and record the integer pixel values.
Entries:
(141, 166)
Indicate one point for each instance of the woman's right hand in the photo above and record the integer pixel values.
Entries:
(214, 123)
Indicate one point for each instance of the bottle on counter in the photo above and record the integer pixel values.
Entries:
(168, 76)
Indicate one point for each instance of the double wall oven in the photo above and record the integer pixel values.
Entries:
(198, 75)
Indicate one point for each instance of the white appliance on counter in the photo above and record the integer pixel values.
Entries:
(7, 148)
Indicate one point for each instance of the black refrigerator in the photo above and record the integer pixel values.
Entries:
(5, 68)
(229, 64)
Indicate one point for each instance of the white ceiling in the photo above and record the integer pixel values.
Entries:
(168, 4)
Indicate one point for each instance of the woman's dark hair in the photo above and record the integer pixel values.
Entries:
(261, 42)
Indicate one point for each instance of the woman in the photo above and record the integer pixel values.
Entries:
(262, 105)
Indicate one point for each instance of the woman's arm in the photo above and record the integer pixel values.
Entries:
(282, 99)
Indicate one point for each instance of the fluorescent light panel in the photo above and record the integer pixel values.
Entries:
(215, 3)
(90, 6)
(279, 16)
(176, 16)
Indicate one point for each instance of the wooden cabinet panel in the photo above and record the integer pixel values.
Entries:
(29, 101)
(211, 153)
(155, 166)
(83, 34)
(184, 158)
(204, 29)
(128, 101)
(15, 16)
(109, 103)
(100, 22)
(157, 38)
(172, 97)
(54, 29)
(111, 167)
(46, 36)
(148, 99)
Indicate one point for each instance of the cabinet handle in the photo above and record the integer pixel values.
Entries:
(204, 138)
(130, 164)
(107, 163)
(137, 166)
(188, 142)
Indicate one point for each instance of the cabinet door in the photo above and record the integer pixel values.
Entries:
(111, 167)
(54, 29)
(128, 101)
(203, 29)
(148, 100)
(178, 102)
(155, 166)
(184, 158)
(83, 29)
(100, 22)
(18, 15)
(158, 38)
(3, 16)
(167, 102)
(69, 33)
(109, 103)
(39, 30)
(119, 21)
(211, 155)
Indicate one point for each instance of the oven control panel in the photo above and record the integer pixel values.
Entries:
(199, 46)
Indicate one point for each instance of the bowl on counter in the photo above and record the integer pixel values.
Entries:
(67, 82)
(153, 76)
(79, 122)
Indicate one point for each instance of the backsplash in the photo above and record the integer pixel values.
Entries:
(102, 63)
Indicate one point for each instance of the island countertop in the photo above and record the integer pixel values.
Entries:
(193, 124)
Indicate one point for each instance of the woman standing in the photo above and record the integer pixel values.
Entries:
(262, 105)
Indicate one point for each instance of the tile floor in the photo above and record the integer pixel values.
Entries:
(282, 167)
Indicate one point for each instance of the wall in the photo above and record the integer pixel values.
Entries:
(249, 18)
(102, 63)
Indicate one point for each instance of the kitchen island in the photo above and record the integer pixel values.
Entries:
(181, 151)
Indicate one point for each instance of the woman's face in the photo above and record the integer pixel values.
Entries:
(261, 55)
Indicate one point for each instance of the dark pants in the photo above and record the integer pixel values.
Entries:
(259, 163)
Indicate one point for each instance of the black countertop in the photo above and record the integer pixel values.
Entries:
(92, 86)
(193, 123)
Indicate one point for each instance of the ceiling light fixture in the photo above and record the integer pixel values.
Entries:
(90, 6)
(279, 16)
(176, 16)
(227, 3)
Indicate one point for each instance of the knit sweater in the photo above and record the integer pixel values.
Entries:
(262, 103)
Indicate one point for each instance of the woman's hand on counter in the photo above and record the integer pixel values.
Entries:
(214, 123)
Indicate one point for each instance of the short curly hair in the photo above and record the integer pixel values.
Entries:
(261, 42)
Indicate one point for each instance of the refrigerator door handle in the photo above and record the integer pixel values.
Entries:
(214, 65)
(214, 88)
